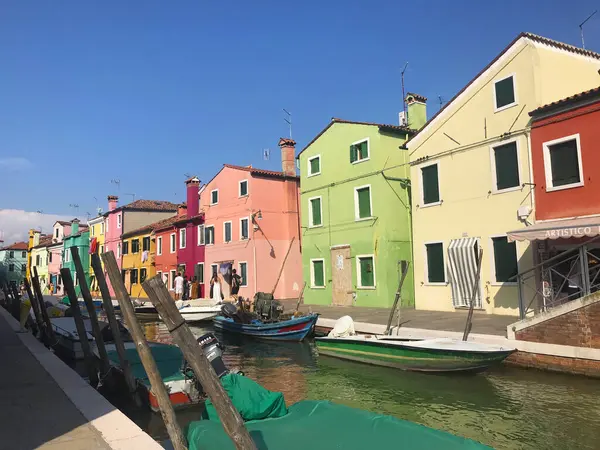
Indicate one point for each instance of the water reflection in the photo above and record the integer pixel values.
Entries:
(505, 408)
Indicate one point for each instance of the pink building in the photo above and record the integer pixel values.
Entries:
(55, 254)
(251, 219)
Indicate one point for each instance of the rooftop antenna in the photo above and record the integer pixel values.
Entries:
(403, 94)
(75, 206)
(288, 120)
(187, 175)
(581, 28)
(88, 215)
(117, 182)
(266, 153)
(132, 196)
(442, 101)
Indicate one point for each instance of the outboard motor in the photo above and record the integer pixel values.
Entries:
(267, 308)
(212, 349)
(229, 310)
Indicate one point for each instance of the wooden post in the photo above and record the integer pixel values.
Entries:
(283, 265)
(404, 269)
(300, 297)
(37, 312)
(89, 303)
(183, 337)
(158, 387)
(469, 323)
(116, 330)
(38, 293)
(81, 331)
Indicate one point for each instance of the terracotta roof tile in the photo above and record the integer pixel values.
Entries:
(161, 224)
(16, 246)
(567, 101)
(260, 172)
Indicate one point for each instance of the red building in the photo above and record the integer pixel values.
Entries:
(165, 258)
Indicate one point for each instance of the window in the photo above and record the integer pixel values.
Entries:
(23, 254)
(143, 275)
(505, 166)
(159, 245)
(133, 276)
(125, 247)
(243, 273)
(362, 202)
(159, 273)
(11, 267)
(226, 231)
(49, 257)
(173, 243)
(101, 249)
(317, 273)
(365, 266)
(56, 233)
(135, 246)
(434, 260)
(359, 151)
(244, 229)
(119, 220)
(173, 274)
(182, 234)
(214, 197)
(11, 254)
(430, 186)
(118, 250)
(68, 253)
(102, 228)
(213, 269)
(504, 93)
(209, 235)
(505, 259)
(314, 166)
(23, 268)
(314, 212)
(37, 260)
(562, 163)
(200, 234)
(146, 244)
(199, 272)
(243, 188)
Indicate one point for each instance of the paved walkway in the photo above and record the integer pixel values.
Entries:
(411, 318)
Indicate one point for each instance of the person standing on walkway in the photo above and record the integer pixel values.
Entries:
(215, 288)
(178, 287)
(236, 281)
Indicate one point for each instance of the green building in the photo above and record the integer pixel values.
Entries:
(79, 237)
(356, 212)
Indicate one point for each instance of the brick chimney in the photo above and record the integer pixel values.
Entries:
(193, 201)
(182, 210)
(74, 226)
(288, 156)
(112, 202)
(416, 110)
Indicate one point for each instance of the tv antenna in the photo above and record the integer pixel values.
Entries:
(266, 154)
(187, 175)
(75, 206)
(403, 94)
(132, 196)
(581, 28)
(442, 101)
(288, 120)
(117, 182)
(88, 215)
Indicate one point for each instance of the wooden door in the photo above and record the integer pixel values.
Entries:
(341, 276)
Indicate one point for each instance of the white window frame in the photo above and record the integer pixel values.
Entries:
(202, 272)
(230, 234)
(159, 242)
(240, 188)
(548, 163)
(247, 219)
(118, 249)
(426, 266)
(200, 238)
(172, 243)
(310, 174)
(240, 271)
(492, 260)
(368, 141)
(357, 217)
(119, 220)
(101, 228)
(312, 274)
(172, 276)
(358, 279)
(213, 235)
(182, 242)
(510, 105)
(211, 197)
(422, 202)
(495, 189)
(310, 213)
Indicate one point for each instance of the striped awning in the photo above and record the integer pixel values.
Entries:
(462, 261)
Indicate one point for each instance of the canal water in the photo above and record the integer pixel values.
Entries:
(506, 408)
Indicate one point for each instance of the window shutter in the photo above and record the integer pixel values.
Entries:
(201, 234)
(244, 229)
(316, 211)
(364, 202)
(565, 163)
(366, 272)
(364, 150)
(505, 92)
(435, 263)
(507, 166)
(431, 188)
(353, 153)
(318, 274)
(315, 164)
(505, 259)
(244, 273)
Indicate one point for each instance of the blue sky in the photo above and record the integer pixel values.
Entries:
(145, 92)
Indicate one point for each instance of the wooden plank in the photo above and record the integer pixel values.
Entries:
(469, 323)
(39, 320)
(283, 265)
(38, 292)
(83, 338)
(89, 304)
(116, 330)
(230, 418)
(404, 269)
(158, 387)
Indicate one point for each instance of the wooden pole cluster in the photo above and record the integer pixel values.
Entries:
(39, 320)
(166, 408)
(469, 323)
(183, 337)
(40, 298)
(404, 269)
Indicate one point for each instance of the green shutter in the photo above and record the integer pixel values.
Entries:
(315, 205)
(364, 202)
(353, 153)
(505, 92)
(505, 259)
(243, 188)
(431, 187)
(507, 166)
(244, 273)
(367, 272)
(245, 229)
(318, 273)
(315, 165)
(564, 163)
(364, 150)
(227, 232)
(435, 263)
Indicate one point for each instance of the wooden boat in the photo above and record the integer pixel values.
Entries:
(69, 343)
(294, 329)
(429, 355)
(191, 310)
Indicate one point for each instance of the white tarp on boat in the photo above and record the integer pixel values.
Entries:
(343, 327)
(462, 261)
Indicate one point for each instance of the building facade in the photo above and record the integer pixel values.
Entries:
(165, 255)
(40, 260)
(137, 248)
(471, 173)
(96, 227)
(56, 249)
(250, 225)
(356, 225)
(79, 237)
(13, 263)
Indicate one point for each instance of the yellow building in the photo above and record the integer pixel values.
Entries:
(40, 259)
(137, 248)
(471, 175)
(97, 230)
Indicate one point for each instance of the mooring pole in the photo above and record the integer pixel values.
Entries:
(37, 312)
(404, 269)
(158, 387)
(183, 337)
(469, 323)
(38, 293)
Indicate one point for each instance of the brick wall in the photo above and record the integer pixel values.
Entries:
(578, 366)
